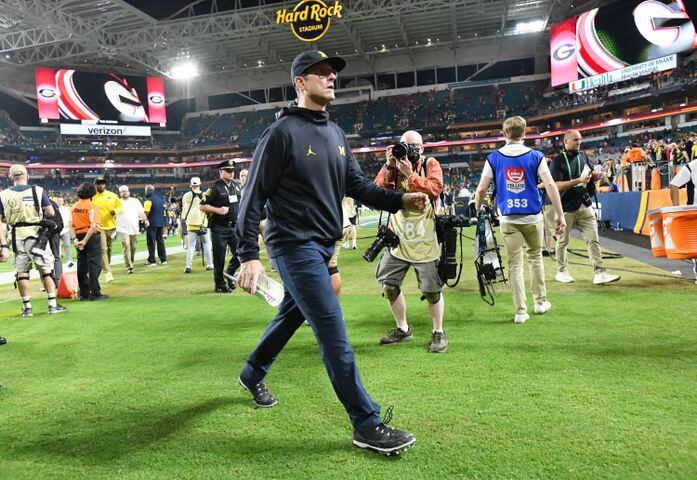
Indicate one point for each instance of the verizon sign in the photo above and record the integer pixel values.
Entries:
(106, 130)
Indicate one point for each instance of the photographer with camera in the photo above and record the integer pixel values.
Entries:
(196, 225)
(416, 244)
(514, 170)
(24, 208)
(575, 180)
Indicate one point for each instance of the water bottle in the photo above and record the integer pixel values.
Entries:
(267, 288)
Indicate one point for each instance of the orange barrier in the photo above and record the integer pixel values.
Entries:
(68, 285)
(655, 179)
(679, 231)
(656, 199)
(655, 221)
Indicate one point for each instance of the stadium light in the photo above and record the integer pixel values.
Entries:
(529, 27)
(184, 71)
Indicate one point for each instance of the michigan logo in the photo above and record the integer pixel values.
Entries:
(310, 19)
(342, 151)
(309, 151)
(515, 179)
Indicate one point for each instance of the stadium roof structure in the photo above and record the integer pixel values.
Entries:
(240, 39)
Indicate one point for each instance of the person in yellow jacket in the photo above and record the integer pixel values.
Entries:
(109, 206)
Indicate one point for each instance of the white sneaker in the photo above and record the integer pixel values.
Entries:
(601, 277)
(564, 277)
(541, 308)
(521, 318)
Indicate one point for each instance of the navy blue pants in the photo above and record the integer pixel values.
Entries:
(309, 295)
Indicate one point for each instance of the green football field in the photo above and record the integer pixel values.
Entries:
(143, 385)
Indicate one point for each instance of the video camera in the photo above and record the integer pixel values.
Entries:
(401, 150)
(384, 237)
(46, 228)
(446, 230)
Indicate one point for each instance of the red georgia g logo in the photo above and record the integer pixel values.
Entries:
(515, 175)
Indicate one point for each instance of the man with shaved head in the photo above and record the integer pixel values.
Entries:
(418, 244)
(575, 179)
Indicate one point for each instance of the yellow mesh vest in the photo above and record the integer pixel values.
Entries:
(19, 207)
(418, 242)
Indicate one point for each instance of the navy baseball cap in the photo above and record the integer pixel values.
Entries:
(308, 59)
(99, 180)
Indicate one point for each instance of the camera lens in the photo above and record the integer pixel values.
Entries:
(399, 150)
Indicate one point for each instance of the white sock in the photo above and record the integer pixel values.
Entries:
(26, 302)
(51, 299)
(405, 330)
(437, 331)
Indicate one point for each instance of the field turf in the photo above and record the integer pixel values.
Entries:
(143, 385)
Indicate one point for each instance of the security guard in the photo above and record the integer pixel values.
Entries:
(221, 203)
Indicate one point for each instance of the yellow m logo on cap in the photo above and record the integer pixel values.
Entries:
(322, 54)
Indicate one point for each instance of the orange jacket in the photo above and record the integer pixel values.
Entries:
(431, 184)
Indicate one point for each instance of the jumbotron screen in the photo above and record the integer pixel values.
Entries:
(75, 96)
(619, 35)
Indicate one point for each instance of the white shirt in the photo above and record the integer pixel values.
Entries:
(67, 218)
(514, 149)
(127, 220)
(684, 176)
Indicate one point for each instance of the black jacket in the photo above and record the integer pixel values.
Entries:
(301, 170)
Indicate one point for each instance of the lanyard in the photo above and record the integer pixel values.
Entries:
(569, 166)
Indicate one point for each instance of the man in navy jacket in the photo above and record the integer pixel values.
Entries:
(301, 170)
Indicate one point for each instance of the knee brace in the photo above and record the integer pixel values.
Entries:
(431, 297)
(22, 276)
(44, 275)
(390, 292)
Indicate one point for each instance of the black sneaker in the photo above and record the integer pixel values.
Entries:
(384, 439)
(98, 298)
(545, 253)
(396, 335)
(149, 264)
(261, 396)
(223, 289)
(27, 312)
(57, 309)
(187, 270)
(130, 271)
(3, 341)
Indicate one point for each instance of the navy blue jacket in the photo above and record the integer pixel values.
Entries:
(301, 170)
(156, 216)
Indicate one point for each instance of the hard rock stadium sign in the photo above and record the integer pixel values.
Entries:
(310, 19)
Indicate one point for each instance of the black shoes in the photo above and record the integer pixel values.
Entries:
(384, 439)
(187, 270)
(223, 289)
(261, 396)
(3, 341)
(100, 297)
(396, 335)
(232, 284)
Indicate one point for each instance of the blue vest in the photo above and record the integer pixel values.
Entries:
(156, 216)
(516, 182)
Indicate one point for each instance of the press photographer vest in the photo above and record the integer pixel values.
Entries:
(23, 207)
(418, 242)
(191, 214)
(516, 182)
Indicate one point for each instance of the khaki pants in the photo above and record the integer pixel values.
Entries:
(107, 242)
(129, 243)
(584, 219)
(515, 237)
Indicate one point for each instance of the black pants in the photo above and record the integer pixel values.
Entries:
(222, 238)
(89, 266)
(154, 237)
(55, 241)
